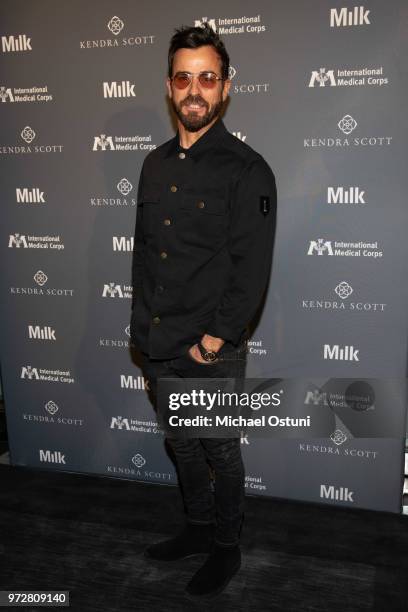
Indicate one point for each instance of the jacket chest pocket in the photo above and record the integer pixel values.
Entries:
(203, 221)
(150, 203)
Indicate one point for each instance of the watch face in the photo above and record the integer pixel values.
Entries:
(210, 356)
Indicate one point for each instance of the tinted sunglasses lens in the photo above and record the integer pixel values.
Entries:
(181, 81)
(207, 80)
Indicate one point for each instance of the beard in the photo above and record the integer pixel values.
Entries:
(193, 122)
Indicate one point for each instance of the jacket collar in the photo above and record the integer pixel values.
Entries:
(207, 141)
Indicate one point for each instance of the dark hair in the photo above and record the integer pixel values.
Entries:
(188, 37)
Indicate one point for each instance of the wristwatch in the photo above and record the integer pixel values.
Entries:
(206, 354)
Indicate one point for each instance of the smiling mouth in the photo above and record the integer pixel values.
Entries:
(194, 107)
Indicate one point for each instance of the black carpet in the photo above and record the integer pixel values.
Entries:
(86, 534)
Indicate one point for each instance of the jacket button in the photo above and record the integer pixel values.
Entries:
(163, 254)
(201, 204)
(167, 222)
(156, 320)
(160, 288)
(173, 188)
(182, 155)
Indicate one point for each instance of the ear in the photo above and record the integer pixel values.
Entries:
(226, 88)
(168, 85)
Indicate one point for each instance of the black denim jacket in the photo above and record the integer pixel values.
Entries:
(205, 229)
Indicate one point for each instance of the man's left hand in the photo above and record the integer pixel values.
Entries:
(211, 343)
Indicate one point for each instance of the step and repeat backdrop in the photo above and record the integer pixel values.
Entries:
(319, 89)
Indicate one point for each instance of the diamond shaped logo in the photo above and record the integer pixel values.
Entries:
(28, 134)
(231, 72)
(127, 330)
(338, 437)
(40, 278)
(344, 290)
(115, 25)
(347, 124)
(51, 407)
(138, 460)
(124, 186)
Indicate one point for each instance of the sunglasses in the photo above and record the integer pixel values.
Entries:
(208, 80)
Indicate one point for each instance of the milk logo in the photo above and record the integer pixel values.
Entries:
(199, 23)
(130, 382)
(337, 353)
(29, 372)
(17, 241)
(6, 93)
(345, 195)
(322, 78)
(51, 407)
(338, 437)
(347, 124)
(41, 333)
(122, 243)
(343, 290)
(112, 290)
(40, 278)
(12, 44)
(48, 456)
(119, 423)
(115, 25)
(124, 89)
(344, 17)
(124, 186)
(340, 494)
(316, 397)
(26, 195)
(103, 142)
(138, 460)
(320, 247)
(28, 134)
(240, 136)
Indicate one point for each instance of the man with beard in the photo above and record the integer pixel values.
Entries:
(202, 256)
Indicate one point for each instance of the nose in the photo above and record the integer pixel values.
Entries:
(194, 85)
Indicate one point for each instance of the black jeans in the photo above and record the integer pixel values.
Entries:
(223, 454)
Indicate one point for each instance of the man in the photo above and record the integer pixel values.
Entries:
(203, 246)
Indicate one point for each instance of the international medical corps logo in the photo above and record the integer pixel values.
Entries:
(112, 290)
(29, 372)
(6, 93)
(103, 142)
(136, 142)
(320, 247)
(321, 77)
(341, 248)
(233, 25)
(348, 77)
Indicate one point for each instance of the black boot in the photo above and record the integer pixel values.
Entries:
(212, 578)
(193, 540)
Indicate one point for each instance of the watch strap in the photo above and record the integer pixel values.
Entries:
(206, 354)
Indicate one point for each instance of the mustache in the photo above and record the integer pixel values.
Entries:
(194, 100)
